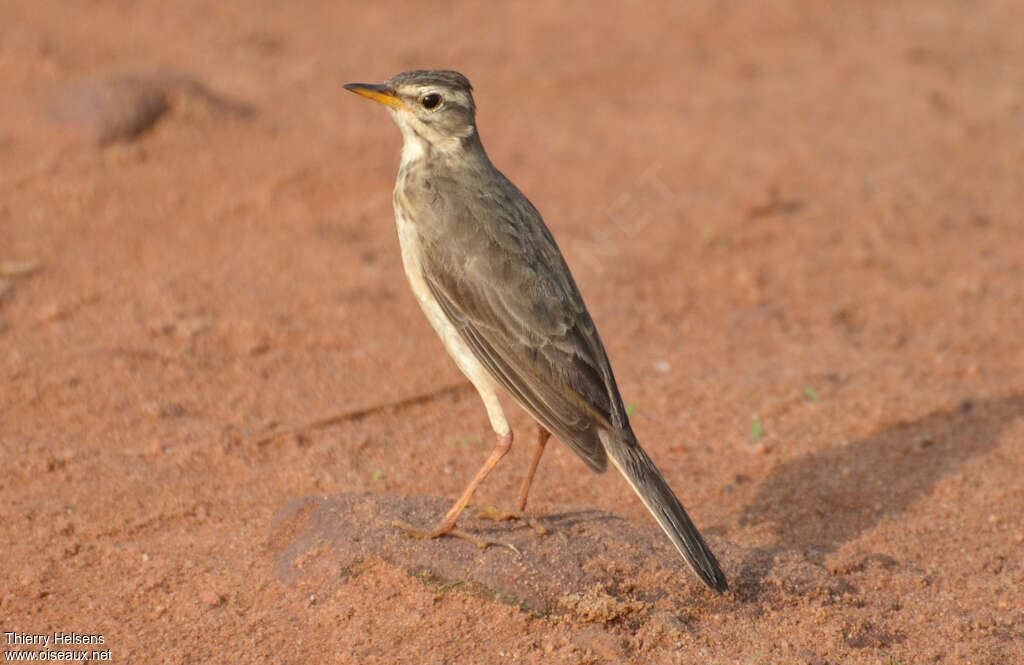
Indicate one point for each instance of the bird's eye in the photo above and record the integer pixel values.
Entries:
(431, 101)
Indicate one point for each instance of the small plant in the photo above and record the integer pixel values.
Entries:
(811, 394)
(465, 442)
(756, 430)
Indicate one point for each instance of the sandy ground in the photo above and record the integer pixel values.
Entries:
(798, 227)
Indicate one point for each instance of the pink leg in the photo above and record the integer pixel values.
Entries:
(501, 446)
(542, 440)
(524, 491)
(447, 527)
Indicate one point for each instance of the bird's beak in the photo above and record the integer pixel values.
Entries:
(378, 93)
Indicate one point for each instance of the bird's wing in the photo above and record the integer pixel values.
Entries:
(505, 286)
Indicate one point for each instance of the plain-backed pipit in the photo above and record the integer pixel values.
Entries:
(495, 287)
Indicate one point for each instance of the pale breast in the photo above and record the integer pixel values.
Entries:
(479, 376)
(409, 242)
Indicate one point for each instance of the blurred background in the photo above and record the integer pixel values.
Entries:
(797, 224)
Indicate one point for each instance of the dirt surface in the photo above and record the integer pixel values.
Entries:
(799, 227)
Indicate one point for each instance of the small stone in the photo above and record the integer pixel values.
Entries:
(211, 598)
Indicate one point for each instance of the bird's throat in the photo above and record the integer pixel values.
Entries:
(414, 148)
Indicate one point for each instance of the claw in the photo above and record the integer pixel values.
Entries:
(493, 513)
(483, 544)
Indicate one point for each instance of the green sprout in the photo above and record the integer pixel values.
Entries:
(464, 442)
(756, 429)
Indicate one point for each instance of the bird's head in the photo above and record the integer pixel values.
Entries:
(433, 108)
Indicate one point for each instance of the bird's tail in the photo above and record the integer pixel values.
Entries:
(645, 479)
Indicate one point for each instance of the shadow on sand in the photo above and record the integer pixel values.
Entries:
(823, 500)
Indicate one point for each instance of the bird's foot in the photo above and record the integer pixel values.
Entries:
(482, 543)
(493, 513)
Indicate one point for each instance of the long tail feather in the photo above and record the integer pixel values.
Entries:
(648, 483)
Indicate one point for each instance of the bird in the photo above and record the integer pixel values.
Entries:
(495, 287)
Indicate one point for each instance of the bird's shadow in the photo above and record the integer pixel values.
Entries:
(818, 502)
(570, 519)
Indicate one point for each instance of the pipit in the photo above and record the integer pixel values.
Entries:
(495, 287)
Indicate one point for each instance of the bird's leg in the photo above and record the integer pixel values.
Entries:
(447, 527)
(542, 440)
(524, 492)
(501, 446)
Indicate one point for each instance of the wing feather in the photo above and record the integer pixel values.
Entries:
(506, 288)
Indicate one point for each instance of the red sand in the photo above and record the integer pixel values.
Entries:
(804, 215)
